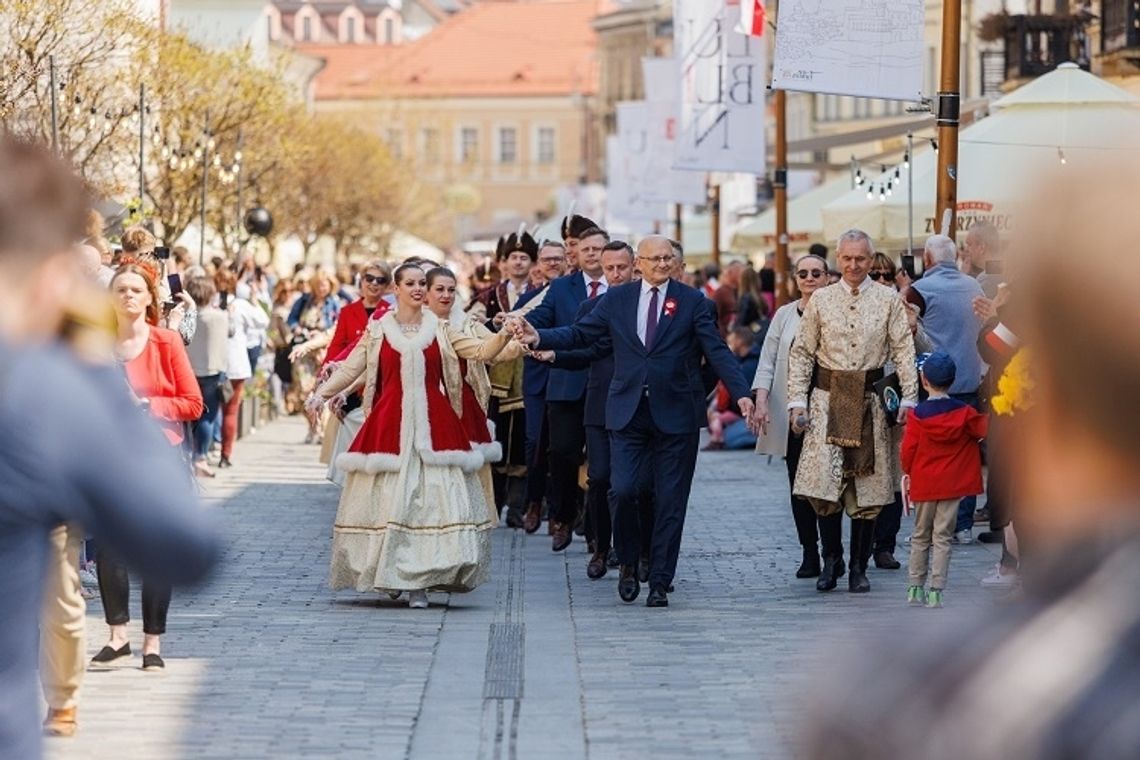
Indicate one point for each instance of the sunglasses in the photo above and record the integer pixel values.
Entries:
(803, 274)
(876, 276)
(375, 279)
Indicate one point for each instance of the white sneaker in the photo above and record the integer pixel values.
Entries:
(998, 579)
(963, 537)
(908, 539)
(417, 600)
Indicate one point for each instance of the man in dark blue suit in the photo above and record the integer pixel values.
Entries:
(659, 330)
(617, 266)
(565, 388)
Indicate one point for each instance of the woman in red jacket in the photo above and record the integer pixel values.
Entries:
(159, 374)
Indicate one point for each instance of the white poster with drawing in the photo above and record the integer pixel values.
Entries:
(722, 77)
(866, 48)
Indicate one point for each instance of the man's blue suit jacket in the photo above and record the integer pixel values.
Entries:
(599, 358)
(535, 373)
(559, 308)
(670, 371)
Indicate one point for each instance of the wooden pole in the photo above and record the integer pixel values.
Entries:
(205, 183)
(949, 107)
(780, 187)
(677, 228)
(714, 212)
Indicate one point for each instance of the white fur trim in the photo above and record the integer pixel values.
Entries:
(469, 461)
(492, 452)
(418, 340)
(491, 428)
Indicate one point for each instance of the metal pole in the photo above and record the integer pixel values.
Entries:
(142, 143)
(780, 186)
(205, 178)
(910, 193)
(714, 211)
(677, 228)
(54, 106)
(854, 169)
(949, 106)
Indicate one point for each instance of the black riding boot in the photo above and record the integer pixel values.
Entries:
(862, 539)
(831, 536)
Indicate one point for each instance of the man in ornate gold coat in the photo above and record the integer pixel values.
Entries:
(849, 331)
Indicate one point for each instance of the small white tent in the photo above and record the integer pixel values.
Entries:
(805, 219)
(1063, 117)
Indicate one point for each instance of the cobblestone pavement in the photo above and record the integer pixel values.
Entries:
(265, 661)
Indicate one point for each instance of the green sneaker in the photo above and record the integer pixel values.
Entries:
(934, 598)
(915, 595)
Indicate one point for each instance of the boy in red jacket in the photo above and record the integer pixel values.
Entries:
(942, 457)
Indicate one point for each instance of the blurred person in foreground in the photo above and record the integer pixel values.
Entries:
(73, 445)
(1055, 674)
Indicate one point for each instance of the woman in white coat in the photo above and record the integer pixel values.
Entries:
(770, 420)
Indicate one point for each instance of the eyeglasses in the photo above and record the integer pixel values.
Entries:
(551, 259)
(375, 279)
(803, 274)
(658, 260)
(876, 276)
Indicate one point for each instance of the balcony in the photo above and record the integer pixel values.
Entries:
(1035, 45)
(1120, 33)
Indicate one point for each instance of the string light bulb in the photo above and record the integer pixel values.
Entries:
(1061, 155)
(906, 160)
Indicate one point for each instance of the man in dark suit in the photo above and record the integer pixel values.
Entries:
(660, 330)
(566, 389)
(617, 266)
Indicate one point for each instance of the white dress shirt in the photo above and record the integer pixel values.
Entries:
(603, 286)
(643, 306)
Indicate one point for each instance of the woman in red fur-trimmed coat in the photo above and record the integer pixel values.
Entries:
(412, 515)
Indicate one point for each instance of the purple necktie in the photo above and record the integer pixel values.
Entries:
(651, 319)
(594, 288)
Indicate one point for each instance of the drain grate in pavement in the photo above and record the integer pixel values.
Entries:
(504, 675)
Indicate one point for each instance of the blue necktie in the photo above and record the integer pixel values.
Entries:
(651, 320)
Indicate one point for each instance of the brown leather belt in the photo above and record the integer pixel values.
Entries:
(821, 378)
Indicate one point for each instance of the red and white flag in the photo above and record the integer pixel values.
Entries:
(752, 17)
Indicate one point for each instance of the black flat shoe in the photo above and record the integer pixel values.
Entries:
(612, 560)
(809, 567)
(657, 597)
(886, 561)
(153, 662)
(107, 655)
(628, 585)
(224, 463)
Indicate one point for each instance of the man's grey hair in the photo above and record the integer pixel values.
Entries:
(651, 241)
(941, 249)
(856, 236)
(987, 233)
(678, 249)
(552, 244)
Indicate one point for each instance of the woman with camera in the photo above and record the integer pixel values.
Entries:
(160, 376)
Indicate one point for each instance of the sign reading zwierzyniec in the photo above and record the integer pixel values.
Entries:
(867, 48)
(722, 81)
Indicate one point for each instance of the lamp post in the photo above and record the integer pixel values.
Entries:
(780, 188)
(205, 181)
(949, 107)
(54, 106)
(714, 216)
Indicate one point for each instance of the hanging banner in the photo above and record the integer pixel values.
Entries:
(668, 185)
(722, 77)
(626, 209)
(628, 166)
(866, 48)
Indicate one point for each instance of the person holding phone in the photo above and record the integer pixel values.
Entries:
(160, 377)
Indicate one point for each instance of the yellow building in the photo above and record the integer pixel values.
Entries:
(494, 107)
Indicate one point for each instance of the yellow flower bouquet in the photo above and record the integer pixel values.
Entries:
(1015, 387)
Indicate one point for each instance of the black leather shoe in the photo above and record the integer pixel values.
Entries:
(829, 575)
(224, 462)
(561, 537)
(612, 560)
(153, 662)
(643, 569)
(628, 585)
(809, 568)
(657, 597)
(886, 561)
(990, 537)
(596, 567)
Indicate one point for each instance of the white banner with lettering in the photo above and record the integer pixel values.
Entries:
(722, 77)
(866, 48)
(669, 185)
(627, 211)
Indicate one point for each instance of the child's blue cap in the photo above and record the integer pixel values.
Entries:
(939, 369)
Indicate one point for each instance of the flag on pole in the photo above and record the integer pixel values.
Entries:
(752, 17)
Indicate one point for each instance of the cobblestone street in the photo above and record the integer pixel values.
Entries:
(265, 661)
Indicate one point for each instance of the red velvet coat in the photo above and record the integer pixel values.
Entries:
(350, 326)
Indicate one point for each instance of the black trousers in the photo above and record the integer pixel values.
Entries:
(638, 448)
(567, 440)
(537, 448)
(115, 591)
(508, 477)
(598, 482)
(887, 525)
(802, 512)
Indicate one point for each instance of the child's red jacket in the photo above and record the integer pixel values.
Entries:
(940, 450)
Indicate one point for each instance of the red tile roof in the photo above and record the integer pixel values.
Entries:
(494, 48)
